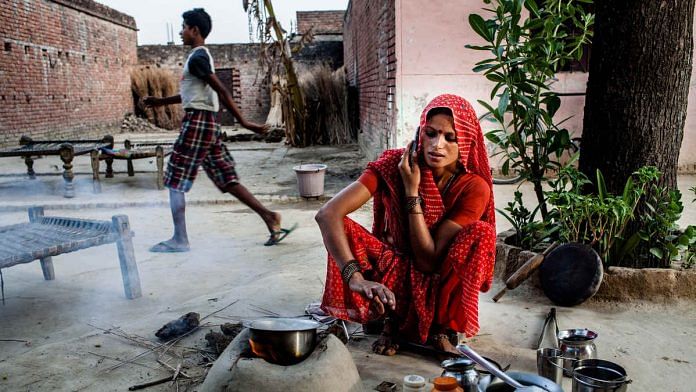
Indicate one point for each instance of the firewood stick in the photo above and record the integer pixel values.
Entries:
(176, 373)
(122, 361)
(168, 366)
(150, 384)
(26, 342)
(220, 310)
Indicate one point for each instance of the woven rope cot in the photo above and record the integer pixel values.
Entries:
(138, 150)
(67, 150)
(43, 237)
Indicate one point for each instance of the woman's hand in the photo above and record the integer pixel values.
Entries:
(410, 171)
(377, 292)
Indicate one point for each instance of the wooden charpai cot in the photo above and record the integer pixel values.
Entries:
(138, 150)
(67, 150)
(46, 236)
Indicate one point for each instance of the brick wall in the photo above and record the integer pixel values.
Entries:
(252, 93)
(370, 61)
(322, 22)
(64, 68)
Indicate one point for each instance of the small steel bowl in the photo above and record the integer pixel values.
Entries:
(283, 341)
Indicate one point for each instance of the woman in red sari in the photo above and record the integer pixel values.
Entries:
(432, 245)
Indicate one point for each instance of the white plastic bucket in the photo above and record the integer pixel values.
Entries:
(310, 179)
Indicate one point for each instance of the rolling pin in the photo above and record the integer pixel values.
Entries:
(524, 271)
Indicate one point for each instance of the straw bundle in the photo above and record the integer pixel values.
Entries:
(156, 82)
(325, 96)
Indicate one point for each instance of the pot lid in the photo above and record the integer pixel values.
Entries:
(578, 335)
(283, 324)
(414, 380)
(457, 363)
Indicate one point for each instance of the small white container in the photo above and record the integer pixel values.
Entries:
(414, 383)
(310, 179)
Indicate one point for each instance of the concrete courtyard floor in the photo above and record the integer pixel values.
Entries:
(655, 342)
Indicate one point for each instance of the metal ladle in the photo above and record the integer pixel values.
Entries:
(474, 356)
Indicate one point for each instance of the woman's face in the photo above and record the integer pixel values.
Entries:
(440, 147)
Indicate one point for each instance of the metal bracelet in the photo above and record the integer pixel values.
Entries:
(349, 269)
(412, 202)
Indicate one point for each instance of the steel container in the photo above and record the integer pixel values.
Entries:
(576, 344)
(283, 341)
(596, 375)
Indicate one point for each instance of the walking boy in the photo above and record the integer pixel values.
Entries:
(200, 141)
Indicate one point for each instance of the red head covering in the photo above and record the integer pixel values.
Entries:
(472, 155)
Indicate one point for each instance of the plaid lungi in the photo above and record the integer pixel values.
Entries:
(200, 143)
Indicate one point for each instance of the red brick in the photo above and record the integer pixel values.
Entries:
(56, 34)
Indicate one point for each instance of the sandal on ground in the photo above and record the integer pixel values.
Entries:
(168, 247)
(279, 235)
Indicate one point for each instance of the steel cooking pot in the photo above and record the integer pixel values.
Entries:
(597, 375)
(526, 379)
(283, 341)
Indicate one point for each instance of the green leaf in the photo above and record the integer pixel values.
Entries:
(503, 102)
(628, 191)
(532, 7)
(684, 240)
(628, 246)
(479, 25)
(553, 102)
(482, 67)
(495, 77)
(476, 47)
(601, 186)
(486, 105)
(493, 137)
(657, 252)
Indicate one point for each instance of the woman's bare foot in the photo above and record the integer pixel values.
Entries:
(386, 342)
(272, 221)
(385, 345)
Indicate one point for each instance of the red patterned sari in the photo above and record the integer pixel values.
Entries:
(448, 298)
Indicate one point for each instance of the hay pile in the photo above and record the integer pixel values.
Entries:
(156, 82)
(326, 103)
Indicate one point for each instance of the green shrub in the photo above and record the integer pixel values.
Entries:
(637, 229)
(529, 233)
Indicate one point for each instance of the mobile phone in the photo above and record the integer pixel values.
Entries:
(414, 146)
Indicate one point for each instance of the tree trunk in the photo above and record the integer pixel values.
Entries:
(638, 88)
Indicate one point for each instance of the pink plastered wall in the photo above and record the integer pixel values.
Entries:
(432, 59)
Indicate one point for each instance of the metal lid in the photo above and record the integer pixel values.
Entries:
(414, 380)
(456, 364)
(577, 336)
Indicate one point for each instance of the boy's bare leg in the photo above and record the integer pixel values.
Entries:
(178, 242)
(272, 219)
(177, 203)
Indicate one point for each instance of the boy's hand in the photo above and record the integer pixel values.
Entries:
(149, 101)
(257, 128)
